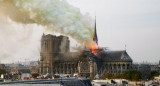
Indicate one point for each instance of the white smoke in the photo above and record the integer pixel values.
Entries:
(18, 41)
(54, 15)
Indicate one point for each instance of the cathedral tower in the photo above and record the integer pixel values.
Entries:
(51, 46)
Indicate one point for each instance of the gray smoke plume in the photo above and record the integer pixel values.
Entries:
(53, 15)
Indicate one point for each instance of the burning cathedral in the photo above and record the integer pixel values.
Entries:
(56, 58)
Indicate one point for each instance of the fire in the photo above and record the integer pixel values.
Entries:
(93, 48)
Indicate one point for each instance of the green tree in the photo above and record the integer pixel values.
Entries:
(126, 76)
(135, 77)
(2, 71)
(132, 75)
(34, 75)
(153, 74)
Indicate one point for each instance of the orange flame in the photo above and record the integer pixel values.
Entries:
(93, 48)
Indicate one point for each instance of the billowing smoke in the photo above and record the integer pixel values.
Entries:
(53, 15)
(18, 41)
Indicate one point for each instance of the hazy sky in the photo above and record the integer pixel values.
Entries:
(135, 23)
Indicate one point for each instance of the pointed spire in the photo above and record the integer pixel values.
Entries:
(43, 34)
(95, 38)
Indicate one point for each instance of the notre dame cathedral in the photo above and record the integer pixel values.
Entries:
(56, 58)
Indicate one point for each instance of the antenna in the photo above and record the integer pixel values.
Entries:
(125, 47)
(26, 61)
(95, 13)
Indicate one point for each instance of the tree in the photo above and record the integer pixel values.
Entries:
(91, 78)
(2, 71)
(153, 74)
(135, 77)
(117, 76)
(126, 76)
(34, 75)
(15, 77)
(132, 75)
(107, 75)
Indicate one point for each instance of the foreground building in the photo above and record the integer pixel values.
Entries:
(49, 82)
(56, 58)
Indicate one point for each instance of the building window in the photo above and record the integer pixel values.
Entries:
(119, 66)
(114, 66)
(123, 66)
(127, 66)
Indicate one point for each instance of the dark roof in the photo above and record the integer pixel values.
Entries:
(67, 56)
(118, 56)
(108, 56)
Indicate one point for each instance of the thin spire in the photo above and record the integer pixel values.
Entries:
(95, 38)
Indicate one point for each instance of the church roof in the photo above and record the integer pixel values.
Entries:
(118, 56)
(108, 56)
(71, 56)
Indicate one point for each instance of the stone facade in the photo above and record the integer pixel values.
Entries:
(51, 48)
(116, 62)
(56, 58)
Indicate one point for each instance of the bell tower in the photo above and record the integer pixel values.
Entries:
(51, 47)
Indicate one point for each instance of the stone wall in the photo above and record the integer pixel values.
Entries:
(51, 46)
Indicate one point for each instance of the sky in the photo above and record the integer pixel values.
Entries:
(134, 23)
